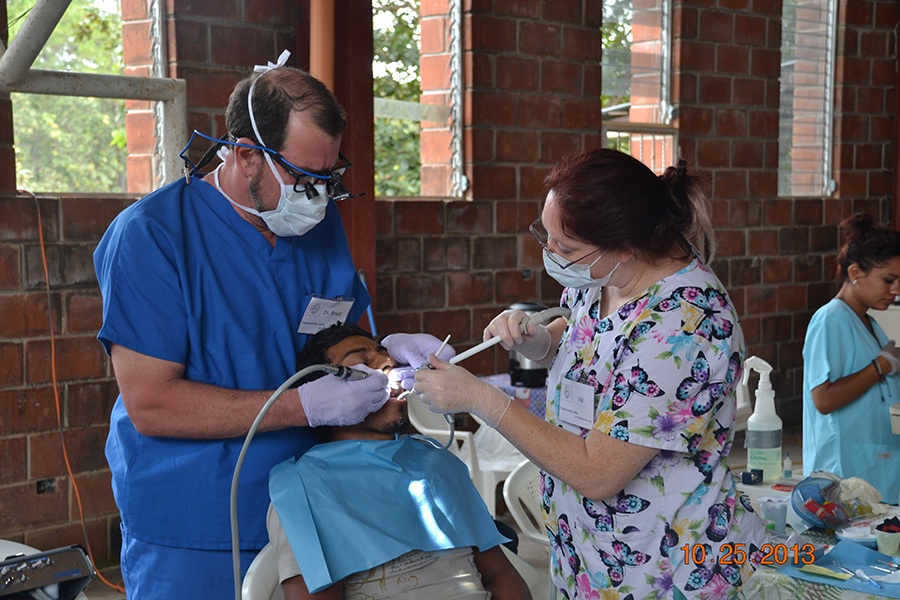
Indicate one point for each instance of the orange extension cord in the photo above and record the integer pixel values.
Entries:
(62, 440)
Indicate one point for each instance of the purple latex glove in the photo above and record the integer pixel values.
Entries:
(331, 400)
(413, 348)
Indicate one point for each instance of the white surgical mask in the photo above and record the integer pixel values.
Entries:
(576, 275)
(295, 214)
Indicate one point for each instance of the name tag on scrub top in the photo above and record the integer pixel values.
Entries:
(576, 403)
(324, 312)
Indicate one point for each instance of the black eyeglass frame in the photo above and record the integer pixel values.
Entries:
(533, 228)
(305, 180)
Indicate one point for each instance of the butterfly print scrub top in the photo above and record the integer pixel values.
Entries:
(663, 369)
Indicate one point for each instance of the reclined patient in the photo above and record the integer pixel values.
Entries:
(372, 513)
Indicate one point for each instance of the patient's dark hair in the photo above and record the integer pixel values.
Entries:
(314, 351)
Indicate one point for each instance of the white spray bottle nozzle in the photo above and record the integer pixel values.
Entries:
(761, 367)
(764, 386)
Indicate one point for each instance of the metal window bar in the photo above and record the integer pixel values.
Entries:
(807, 98)
(636, 75)
(16, 75)
(654, 145)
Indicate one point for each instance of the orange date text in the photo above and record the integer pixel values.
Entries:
(738, 554)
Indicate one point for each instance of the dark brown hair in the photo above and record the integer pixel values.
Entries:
(612, 200)
(866, 244)
(276, 94)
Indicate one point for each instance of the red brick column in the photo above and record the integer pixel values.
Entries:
(726, 89)
(210, 44)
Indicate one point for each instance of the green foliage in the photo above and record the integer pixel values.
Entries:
(396, 76)
(616, 38)
(64, 143)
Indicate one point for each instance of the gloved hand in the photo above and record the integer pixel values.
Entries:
(534, 343)
(331, 400)
(451, 389)
(413, 349)
(892, 354)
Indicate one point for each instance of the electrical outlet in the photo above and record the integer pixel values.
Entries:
(46, 486)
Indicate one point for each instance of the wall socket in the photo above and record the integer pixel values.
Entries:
(46, 486)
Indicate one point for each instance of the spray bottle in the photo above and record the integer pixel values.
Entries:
(763, 438)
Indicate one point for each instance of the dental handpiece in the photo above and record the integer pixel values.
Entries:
(536, 319)
(345, 373)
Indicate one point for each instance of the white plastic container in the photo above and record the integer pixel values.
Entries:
(787, 471)
(763, 437)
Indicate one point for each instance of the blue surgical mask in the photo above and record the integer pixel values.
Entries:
(576, 275)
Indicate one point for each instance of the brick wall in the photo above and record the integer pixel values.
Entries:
(38, 504)
(447, 266)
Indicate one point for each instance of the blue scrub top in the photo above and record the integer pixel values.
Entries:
(856, 440)
(185, 279)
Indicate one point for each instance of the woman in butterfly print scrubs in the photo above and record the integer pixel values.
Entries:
(640, 398)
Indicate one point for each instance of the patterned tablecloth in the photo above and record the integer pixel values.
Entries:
(534, 399)
(787, 582)
(771, 584)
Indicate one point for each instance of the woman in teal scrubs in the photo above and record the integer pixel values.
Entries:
(850, 366)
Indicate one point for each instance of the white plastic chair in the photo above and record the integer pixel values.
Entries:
(487, 454)
(522, 493)
(261, 581)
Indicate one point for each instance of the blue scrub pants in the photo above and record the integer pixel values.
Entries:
(153, 571)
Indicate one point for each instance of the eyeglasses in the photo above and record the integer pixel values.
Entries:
(304, 181)
(540, 234)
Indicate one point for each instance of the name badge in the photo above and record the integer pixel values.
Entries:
(576, 403)
(324, 312)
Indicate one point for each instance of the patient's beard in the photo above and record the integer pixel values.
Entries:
(398, 425)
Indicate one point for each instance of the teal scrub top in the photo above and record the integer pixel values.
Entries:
(856, 440)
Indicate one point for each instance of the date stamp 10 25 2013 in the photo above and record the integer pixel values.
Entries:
(738, 554)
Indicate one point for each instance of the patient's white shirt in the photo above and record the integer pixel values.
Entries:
(449, 574)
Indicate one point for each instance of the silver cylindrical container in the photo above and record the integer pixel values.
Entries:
(524, 371)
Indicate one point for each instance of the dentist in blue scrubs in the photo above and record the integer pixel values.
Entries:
(210, 289)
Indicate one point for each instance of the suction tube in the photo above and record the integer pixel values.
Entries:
(339, 371)
(537, 319)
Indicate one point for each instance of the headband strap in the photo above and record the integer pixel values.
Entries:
(282, 60)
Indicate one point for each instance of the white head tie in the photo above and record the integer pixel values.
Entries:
(282, 60)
